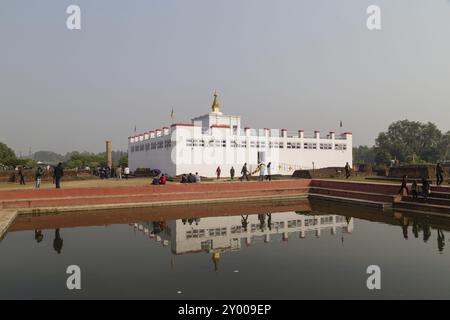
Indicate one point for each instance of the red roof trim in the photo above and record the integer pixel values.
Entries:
(182, 125)
(225, 126)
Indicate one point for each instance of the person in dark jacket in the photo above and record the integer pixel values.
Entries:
(404, 186)
(439, 174)
(58, 173)
(244, 172)
(21, 176)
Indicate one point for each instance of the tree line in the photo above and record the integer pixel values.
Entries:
(71, 160)
(408, 142)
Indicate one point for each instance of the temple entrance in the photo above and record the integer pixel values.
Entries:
(261, 156)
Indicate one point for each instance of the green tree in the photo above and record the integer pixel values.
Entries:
(412, 142)
(363, 154)
(7, 156)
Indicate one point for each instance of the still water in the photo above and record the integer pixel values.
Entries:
(302, 250)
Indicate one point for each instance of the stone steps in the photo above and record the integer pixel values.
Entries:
(351, 194)
(429, 200)
(149, 197)
(422, 207)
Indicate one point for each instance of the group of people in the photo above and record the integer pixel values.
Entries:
(190, 178)
(425, 189)
(245, 173)
(58, 173)
(159, 179)
(107, 172)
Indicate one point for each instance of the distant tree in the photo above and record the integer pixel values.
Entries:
(7, 156)
(123, 161)
(364, 154)
(48, 157)
(412, 142)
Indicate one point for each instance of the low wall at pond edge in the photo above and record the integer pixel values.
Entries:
(417, 171)
(29, 174)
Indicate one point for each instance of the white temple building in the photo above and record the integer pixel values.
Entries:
(217, 139)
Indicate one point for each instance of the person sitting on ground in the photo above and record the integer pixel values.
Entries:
(404, 186)
(197, 177)
(415, 189)
(184, 178)
(191, 178)
(163, 179)
(156, 180)
(425, 188)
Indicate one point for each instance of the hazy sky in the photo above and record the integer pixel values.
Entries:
(281, 64)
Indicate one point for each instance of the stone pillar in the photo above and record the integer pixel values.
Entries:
(108, 154)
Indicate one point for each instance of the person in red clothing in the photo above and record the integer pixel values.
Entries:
(218, 171)
(163, 179)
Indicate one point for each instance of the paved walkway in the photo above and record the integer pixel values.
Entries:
(6, 219)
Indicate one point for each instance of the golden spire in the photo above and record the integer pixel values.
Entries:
(215, 105)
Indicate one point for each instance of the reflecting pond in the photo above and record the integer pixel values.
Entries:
(277, 250)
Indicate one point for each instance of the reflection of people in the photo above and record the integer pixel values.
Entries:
(262, 221)
(405, 230)
(215, 259)
(440, 240)
(426, 232)
(57, 242)
(244, 222)
(38, 236)
(269, 221)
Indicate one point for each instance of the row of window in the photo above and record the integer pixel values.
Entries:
(152, 146)
(217, 232)
(262, 144)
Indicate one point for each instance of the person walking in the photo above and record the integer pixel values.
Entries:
(439, 174)
(218, 171)
(38, 177)
(244, 172)
(404, 186)
(347, 170)
(232, 173)
(262, 170)
(269, 171)
(21, 176)
(126, 172)
(119, 173)
(58, 173)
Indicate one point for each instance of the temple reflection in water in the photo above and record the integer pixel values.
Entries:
(229, 233)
